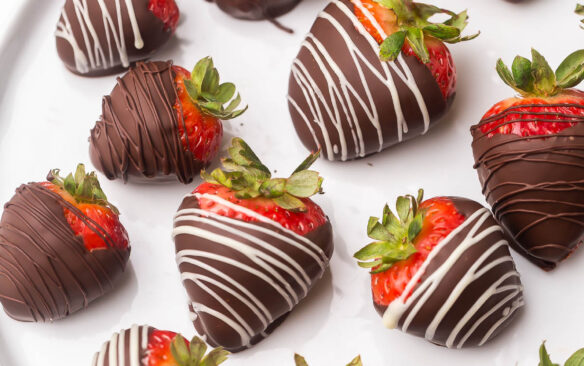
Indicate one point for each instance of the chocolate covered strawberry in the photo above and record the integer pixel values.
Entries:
(529, 154)
(162, 120)
(61, 247)
(373, 74)
(147, 346)
(250, 247)
(101, 37)
(441, 270)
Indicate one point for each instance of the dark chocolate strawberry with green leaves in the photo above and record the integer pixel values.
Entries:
(161, 348)
(529, 154)
(250, 247)
(300, 361)
(161, 120)
(575, 360)
(373, 74)
(438, 269)
(62, 246)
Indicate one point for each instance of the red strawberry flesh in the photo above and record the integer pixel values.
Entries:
(158, 352)
(107, 220)
(299, 222)
(535, 116)
(167, 11)
(199, 133)
(440, 219)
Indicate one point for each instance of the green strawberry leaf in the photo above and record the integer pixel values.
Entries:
(506, 74)
(544, 357)
(415, 37)
(307, 163)
(522, 73)
(290, 203)
(304, 184)
(571, 71)
(299, 360)
(391, 47)
(355, 362)
(577, 359)
(544, 77)
(442, 31)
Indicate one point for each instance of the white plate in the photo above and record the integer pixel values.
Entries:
(46, 113)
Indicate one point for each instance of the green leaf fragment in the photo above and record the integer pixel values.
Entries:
(307, 163)
(577, 359)
(355, 362)
(304, 183)
(544, 77)
(403, 208)
(442, 31)
(522, 74)
(299, 360)
(391, 47)
(290, 203)
(273, 188)
(571, 71)
(415, 37)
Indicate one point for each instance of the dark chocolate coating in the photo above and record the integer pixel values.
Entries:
(137, 136)
(339, 86)
(256, 9)
(101, 52)
(493, 285)
(535, 186)
(46, 273)
(134, 350)
(240, 291)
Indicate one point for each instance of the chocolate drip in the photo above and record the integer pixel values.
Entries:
(243, 278)
(535, 184)
(343, 98)
(258, 9)
(470, 289)
(137, 136)
(92, 42)
(46, 273)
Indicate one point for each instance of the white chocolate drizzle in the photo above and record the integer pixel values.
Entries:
(95, 55)
(421, 292)
(340, 108)
(268, 263)
(116, 349)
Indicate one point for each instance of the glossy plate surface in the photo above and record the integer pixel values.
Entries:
(46, 113)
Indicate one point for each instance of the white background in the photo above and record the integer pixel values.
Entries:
(46, 114)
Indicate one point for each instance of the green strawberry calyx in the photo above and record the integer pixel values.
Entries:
(580, 11)
(394, 235)
(205, 91)
(577, 359)
(246, 175)
(414, 26)
(536, 78)
(193, 354)
(83, 187)
(300, 361)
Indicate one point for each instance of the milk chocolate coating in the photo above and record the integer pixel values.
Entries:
(470, 289)
(535, 186)
(46, 273)
(243, 278)
(343, 98)
(97, 44)
(256, 9)
(137, 137)
(126, 348)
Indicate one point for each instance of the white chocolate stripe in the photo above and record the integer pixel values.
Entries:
(182, 257)
(311, 91)
(95, 56)
(254, 255)
(183, 216)
(199, 281)
(116, 348)
(200, 308)
(516, 305)
(424, 290)
(258, 308)
(260, 218)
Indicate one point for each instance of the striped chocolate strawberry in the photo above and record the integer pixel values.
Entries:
(529, 154)
(162, 120)
(102, 37)
(61, 247)
(147, 346)
(372, 74)
(249, 247)
(441, 270)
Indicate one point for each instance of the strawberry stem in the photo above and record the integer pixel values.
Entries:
(250, 178)
(83, 187)
(394, 234)
(414, 26)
